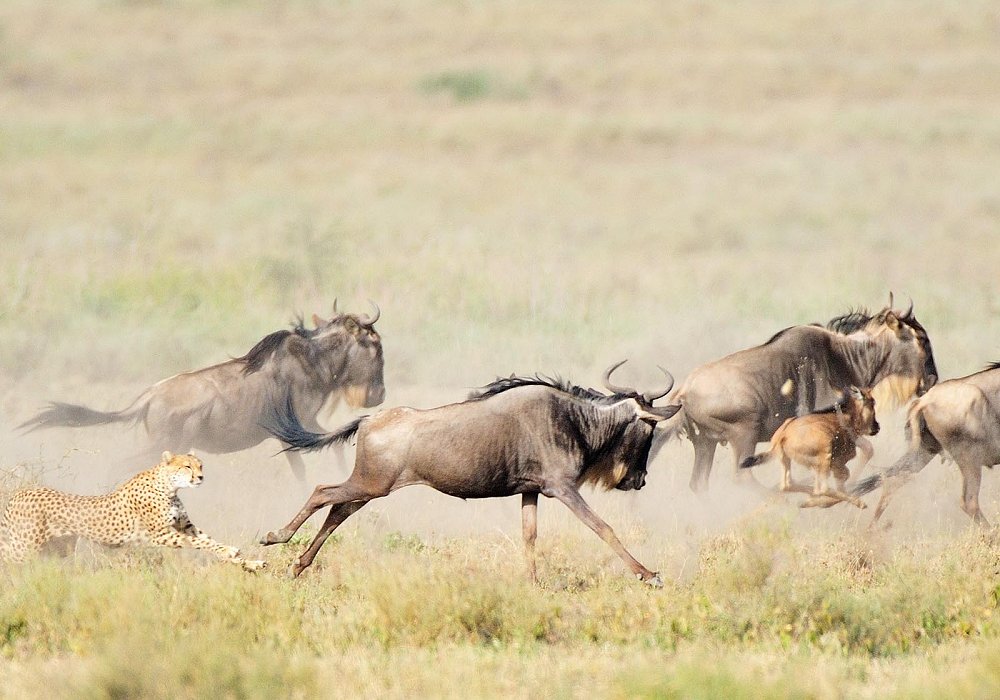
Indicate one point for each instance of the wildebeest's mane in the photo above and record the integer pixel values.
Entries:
(992, 365)
(778, 335)
(260, 353)
(502, 384)
(299, 328)
(785, 330)
(854, 320)
(845, 324)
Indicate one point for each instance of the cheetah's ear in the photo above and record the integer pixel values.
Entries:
(167, 456)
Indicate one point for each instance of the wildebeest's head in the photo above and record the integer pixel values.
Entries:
(861, 407)
(632, 450)
(908, 368)
(355, 348)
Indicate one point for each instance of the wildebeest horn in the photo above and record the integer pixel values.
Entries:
(890, 301)
(651, 396)
(335, 307)
(614, 388)
(909, 311)
(370, 321)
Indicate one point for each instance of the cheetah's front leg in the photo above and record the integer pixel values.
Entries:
(176, 538)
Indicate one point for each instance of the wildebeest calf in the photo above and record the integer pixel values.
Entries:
(525, 436)
(825, 441)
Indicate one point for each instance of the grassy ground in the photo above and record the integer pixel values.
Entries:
(523, 188)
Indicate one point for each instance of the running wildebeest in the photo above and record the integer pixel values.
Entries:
(959, 418)
(743, 398)
(525, 436)
(825, 441)
(219, 409)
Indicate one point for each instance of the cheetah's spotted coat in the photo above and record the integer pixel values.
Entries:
(145, 509)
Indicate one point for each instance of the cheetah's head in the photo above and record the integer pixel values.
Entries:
(184, 470)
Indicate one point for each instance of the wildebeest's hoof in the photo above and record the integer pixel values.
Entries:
(272, 538)
(654, 581)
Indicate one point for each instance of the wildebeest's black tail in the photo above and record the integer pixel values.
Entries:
(283, 424)
(70, 415)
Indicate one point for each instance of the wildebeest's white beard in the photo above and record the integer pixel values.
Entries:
(894, 391)
(605, 475)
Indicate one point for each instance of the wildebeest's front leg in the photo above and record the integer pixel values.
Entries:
(336, 516)
(574, 501)
(529, 527)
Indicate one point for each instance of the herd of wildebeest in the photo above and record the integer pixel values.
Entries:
(810, 390)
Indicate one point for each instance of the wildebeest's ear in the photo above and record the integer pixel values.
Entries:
(317, 321)
(855, 392)
(167, 456)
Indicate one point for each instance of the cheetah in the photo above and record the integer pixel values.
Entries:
(144, 509)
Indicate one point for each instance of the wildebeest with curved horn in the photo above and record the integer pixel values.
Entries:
(743, 398)
(525, 436)
(959, 418)
(219, 409)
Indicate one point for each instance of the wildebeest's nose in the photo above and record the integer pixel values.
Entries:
(875, 428)
(375, 397)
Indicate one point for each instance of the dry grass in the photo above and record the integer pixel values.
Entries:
(524, 188)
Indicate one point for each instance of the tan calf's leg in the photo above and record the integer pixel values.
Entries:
(823, 492)
(787, 485)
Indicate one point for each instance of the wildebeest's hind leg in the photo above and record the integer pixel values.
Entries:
(704, 454)
(297, 464)
(971, 478)
(743, 448)
(529, 527)
(336, 516)
(321, 496)
(574, 501)
(897, 475)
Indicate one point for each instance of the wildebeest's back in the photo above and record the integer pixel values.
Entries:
(193, 407)
(759, 384)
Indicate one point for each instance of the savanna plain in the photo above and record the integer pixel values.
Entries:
(521, 187)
